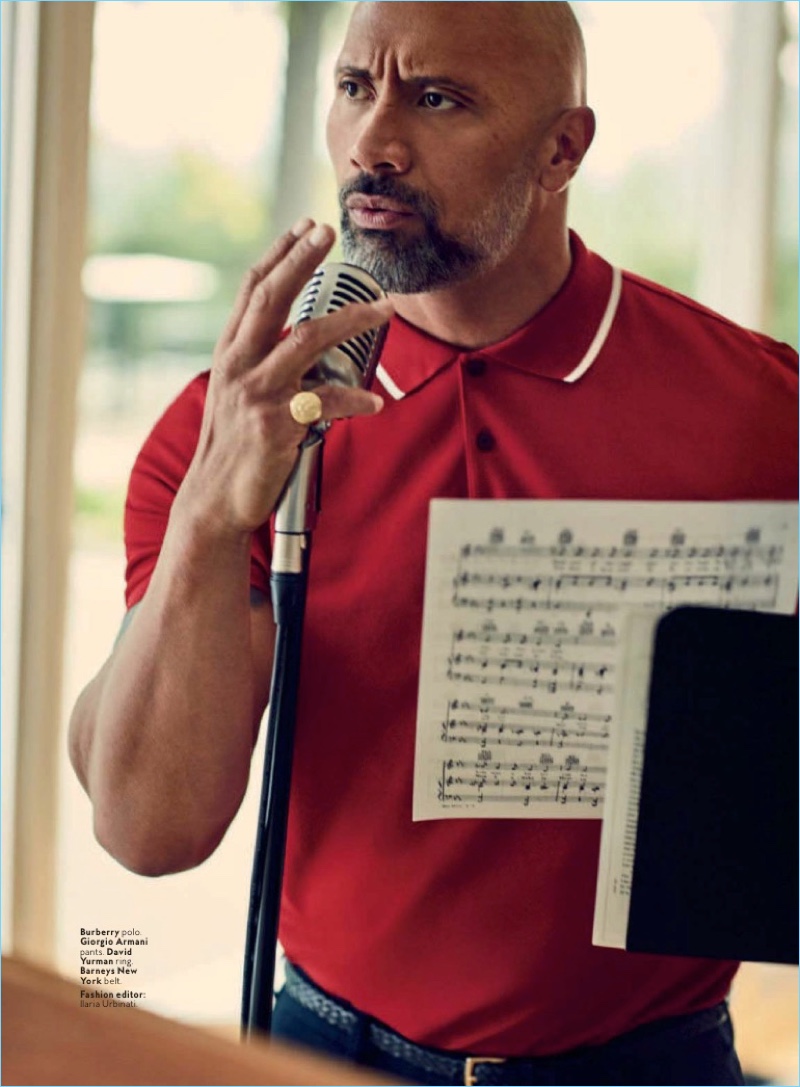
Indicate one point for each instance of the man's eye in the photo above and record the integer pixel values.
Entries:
(438, 101)
(351, 89)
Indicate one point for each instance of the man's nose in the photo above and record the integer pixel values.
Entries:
(380, 144)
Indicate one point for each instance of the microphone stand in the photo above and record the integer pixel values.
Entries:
(294, 521)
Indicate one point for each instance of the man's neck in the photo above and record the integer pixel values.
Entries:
(489, 307)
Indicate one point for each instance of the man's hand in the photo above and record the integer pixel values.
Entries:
(248, 441)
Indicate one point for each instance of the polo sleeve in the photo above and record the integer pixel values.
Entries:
(155, 479)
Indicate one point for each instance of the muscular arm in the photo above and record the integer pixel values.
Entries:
(161, 739)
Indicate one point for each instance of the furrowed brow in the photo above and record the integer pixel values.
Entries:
(446, 82)
(351, 70)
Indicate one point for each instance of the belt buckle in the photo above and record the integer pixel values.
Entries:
(469, 1068)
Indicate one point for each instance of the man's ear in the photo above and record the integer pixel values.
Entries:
(570, 139)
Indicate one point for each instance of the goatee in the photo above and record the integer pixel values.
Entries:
(404, 265)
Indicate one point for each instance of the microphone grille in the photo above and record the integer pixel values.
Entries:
(332, 287)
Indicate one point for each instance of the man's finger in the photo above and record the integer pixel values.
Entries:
(271, 299)
(341, 403)
(307, 342)
(274, 255)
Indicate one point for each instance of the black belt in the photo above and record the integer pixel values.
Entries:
(471, 1070)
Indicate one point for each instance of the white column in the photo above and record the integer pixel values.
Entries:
(294, 189)
(737, 245)
(42, 351)
(20, 38)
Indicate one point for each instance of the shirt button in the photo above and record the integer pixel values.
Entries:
(476, 367)
(485, 441)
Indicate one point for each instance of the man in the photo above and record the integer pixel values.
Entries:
(518, 364)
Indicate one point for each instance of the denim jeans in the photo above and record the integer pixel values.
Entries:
(691, 1050)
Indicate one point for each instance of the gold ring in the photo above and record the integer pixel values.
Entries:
(305, 408)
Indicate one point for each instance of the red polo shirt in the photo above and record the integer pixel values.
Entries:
(468, 934)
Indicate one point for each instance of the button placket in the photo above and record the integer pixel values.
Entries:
(479, 439)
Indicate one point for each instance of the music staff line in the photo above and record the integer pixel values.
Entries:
(565, 712)
(763, 596)
(551, 685)
(525, 800)
(749, 554)
(621, 583)
(544, 784)
(555, 639)
(545, 765)
(520, 737)
(554, 740)
(578, 671)
(539, 775)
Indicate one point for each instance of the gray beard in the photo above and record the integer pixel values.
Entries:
(434, 259)
(409, 265)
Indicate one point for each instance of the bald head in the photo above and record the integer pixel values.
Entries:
(542, 39)
(553, 28)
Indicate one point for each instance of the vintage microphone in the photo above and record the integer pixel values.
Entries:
(352, 364)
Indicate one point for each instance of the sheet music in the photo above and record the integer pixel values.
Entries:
(521, 641)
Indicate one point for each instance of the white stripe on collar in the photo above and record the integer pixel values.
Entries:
(602, 332)
(393, 390)
(583, 366)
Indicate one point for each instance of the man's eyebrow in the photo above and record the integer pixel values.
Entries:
(414, 81)
(349, 69)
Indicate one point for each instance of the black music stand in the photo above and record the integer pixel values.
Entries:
(716, 863)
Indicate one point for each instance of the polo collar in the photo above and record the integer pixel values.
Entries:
(561, 342)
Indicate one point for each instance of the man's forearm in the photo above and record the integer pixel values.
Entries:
(163, 737)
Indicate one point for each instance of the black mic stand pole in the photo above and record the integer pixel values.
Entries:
(288, 582)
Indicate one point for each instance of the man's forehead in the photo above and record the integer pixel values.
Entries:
(437, 30)
(510, 50)
(474, 15)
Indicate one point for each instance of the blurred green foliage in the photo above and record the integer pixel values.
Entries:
(184, 204)
(98, 514)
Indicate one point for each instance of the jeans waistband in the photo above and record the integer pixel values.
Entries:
(472, 1070)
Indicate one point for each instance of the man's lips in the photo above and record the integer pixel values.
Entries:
(377, 212)
(359, 202)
